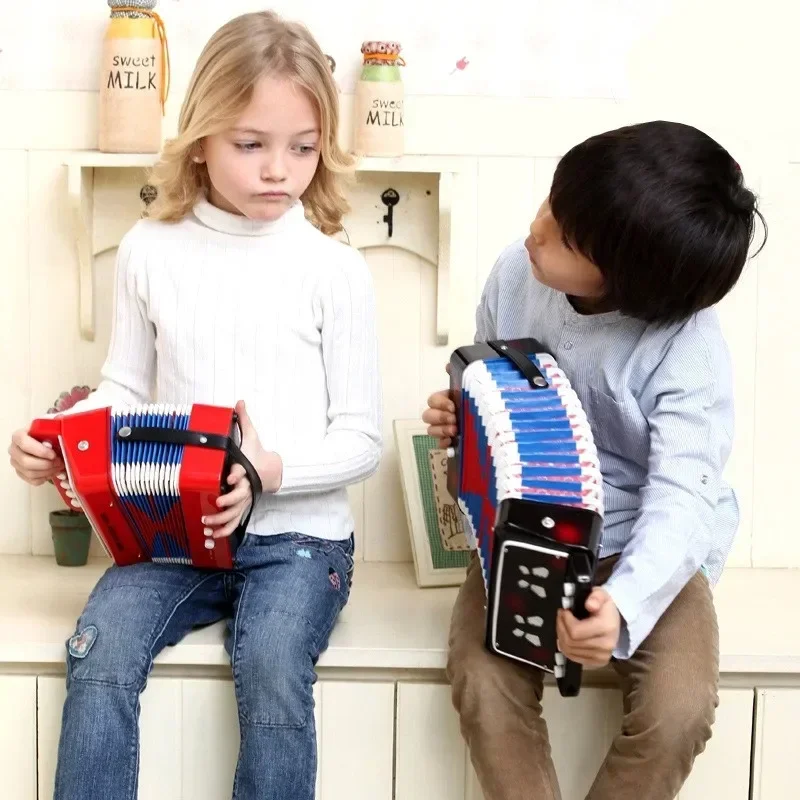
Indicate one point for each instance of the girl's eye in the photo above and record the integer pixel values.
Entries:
(305, 149)
(247, 146)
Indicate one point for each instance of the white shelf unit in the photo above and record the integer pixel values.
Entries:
(80, 187)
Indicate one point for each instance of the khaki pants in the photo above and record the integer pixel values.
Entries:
(669, 701)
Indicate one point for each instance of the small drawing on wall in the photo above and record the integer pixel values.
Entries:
(438, 541)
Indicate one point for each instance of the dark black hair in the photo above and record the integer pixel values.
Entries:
(662, 210)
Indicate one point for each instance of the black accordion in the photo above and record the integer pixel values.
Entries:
(524, 472)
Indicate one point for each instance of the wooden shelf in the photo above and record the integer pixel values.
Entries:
(81, 164)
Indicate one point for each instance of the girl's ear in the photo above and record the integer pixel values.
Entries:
(198, 156)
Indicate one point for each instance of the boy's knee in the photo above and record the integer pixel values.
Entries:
(483, 684)
(677, 721)
(273, 672)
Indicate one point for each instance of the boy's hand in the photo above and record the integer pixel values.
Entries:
(440, 416)
(269, 467)
(590, 641)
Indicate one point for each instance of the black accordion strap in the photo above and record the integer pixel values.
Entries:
(213, 441)
(521, 362)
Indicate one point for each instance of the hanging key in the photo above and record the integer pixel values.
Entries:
(390, 199)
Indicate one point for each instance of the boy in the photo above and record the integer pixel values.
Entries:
(645, 229)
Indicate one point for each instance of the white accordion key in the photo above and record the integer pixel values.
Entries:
(537, 622)
(524, 570)
(522, 584)
(569, 589)
(561, 659)
(518, 633)
(558, 671)
(538, 591)
(62, 476)
(566, 602)
(518, 618)
(533, 639)
(541, 572)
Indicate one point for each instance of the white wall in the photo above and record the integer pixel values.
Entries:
(724, 65)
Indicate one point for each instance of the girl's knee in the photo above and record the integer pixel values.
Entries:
(273, 671)
(112, 641)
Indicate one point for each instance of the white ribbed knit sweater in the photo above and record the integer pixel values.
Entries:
(218, 308)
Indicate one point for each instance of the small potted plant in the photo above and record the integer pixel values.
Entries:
(70, 528)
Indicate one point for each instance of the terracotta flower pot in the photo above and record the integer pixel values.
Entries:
(72, 535)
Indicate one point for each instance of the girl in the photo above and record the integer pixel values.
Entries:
(234, 289)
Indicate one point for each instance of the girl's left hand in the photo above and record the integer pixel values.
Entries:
(234, 503)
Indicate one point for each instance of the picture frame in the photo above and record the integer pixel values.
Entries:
(438, 541)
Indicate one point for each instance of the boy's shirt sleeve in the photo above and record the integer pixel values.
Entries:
(691, 432)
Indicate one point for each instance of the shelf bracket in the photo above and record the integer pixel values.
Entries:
(80, 181)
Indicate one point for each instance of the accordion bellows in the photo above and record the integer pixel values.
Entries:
(146, 475)
(524, 471)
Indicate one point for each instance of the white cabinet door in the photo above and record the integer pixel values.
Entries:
(775, 744)
(723, 769)
(356, 733)
(18, 736)
(431, 756)
(160, 723)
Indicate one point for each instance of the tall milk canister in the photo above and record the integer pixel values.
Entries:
(134, 79)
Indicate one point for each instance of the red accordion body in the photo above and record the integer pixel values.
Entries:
(146, 475)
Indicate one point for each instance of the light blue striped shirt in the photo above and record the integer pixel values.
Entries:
(660, 404)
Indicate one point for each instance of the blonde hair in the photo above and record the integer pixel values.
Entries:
(237, 55)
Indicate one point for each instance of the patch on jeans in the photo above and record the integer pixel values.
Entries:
(304, 553)
(333, 577)
(81, 643)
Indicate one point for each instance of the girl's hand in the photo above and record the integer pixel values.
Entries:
(234, 503)
(34, 462)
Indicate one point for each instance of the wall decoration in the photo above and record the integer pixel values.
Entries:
(438, 542)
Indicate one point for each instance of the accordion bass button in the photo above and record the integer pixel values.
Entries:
(83, 445)
(209, 543)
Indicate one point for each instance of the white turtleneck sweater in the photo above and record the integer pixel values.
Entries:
(218, 308)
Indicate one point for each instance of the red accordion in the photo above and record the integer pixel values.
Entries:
(146, 475)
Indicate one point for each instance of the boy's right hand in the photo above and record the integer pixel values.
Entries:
(440, 416)
(33, 461)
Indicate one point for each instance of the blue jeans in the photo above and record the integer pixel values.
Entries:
(282, 600)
